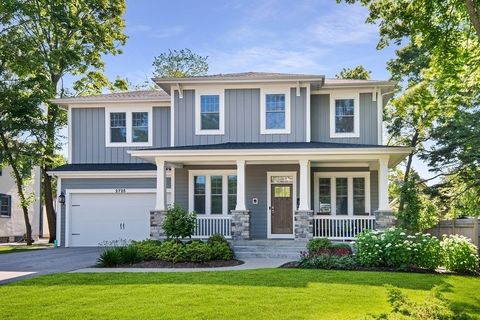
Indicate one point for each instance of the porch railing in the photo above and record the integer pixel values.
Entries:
(341, 227)
(207, 226)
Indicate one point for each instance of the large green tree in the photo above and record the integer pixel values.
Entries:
(180, 63)
(357, 73)
(51, 39)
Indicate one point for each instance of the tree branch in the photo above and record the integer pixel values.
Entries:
(474, 14)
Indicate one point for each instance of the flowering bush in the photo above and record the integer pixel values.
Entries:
(459, 254)
(321, 246)
(397, 249)
(326, 261)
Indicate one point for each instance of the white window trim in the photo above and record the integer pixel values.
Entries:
(208, 190)
(356, 114)
(128, 112)
(198, 119)
(333, 191)
(271, 174)
(263, 109)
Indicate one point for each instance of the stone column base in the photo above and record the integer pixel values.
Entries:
(303, 226)
(240, 224)
(156, 224)
(384, 219)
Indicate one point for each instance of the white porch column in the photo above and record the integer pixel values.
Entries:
(160, 199)
(241, 186)
(304, 185)
(383, 204)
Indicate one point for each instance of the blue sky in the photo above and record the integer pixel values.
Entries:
(301, 36)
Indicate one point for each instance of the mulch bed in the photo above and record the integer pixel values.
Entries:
(165, 264)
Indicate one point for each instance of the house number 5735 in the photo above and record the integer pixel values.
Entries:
(120, 191)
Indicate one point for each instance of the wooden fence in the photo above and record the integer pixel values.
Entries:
(469, 228)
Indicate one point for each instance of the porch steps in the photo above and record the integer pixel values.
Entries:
(286, 249)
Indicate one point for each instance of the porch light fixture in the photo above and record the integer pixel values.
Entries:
(61, 198)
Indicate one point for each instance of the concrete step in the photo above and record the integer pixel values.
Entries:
(286, 249)
(272, 255)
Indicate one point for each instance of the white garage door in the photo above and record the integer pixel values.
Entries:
(95, 218)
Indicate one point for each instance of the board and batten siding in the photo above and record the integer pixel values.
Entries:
(112, 183)
(88, 136)
(242, 119)
(320, 120)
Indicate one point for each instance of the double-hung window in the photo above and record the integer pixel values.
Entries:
(5, 205)
(128, 128)
(209, 112)
(275, 111)
(212, 192)
(344, 115)
(342, 193)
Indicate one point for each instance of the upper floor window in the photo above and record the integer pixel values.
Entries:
(209, 112)
(344, 115)
(128, 128)
(5, 205)
(275, 111)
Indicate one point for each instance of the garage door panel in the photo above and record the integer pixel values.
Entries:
(96, 218)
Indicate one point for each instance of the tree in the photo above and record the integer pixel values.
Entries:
(19, 100)
(181, 63)
(51, 39)
(357, 73)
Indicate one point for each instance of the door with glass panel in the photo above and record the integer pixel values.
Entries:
(281, 209)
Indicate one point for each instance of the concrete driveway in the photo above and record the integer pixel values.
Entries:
(21, 265)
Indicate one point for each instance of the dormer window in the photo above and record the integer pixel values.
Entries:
(209, 112)
(275, 111)
(128, 128)
(344, 115)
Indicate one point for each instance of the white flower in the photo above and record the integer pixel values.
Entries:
(388, 245)
(402, 233)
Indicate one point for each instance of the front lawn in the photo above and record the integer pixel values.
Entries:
(22, 247)
(258, 294)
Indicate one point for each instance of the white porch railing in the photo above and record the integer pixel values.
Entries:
(207, 226)
(341, 227)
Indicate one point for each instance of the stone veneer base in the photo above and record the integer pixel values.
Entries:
(240, 224)
(303, 226)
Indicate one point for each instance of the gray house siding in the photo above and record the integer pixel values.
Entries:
(242, 119)
(88, 136)
(320, 120)
(112, 183)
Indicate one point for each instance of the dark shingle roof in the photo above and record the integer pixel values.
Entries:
(140, 95)
(271, 145)
(106, 167)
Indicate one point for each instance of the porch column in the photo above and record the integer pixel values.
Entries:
(304, 185)
(241, 215)
(240, 186)
(383, 185)
(160, 199)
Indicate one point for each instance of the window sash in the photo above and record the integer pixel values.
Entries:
(118, 127)
(139, 126)
(232, 192)
(209, 112)
(359, 196)
(5, 205)
(217, 196)
(199, 194)
(275, 111)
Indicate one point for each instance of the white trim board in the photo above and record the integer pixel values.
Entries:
(105, 174)
(271, 174)
(349, 176)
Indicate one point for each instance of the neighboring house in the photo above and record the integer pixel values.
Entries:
(256, 155)
(12, 222)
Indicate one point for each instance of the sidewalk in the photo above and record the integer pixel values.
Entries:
(250, 264)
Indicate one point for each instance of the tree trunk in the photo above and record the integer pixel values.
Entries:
(50, 210)
(408, 169)
(474, 13)
(19, 182)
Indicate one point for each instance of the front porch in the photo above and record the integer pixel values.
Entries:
(276, 194)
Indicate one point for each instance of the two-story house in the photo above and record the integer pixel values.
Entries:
(255, 155)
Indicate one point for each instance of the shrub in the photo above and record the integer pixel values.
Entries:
(110, 257)
(221, 251)
(179, 223)
(315, 245)
(148, 248)
(397, 249)
(172, 251)
(130, 254)
(459, 254)
(198, 251)
(327, 261)
(217, 238)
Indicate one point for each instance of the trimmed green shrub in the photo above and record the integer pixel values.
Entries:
(317, 244)
(130, 254)
(459, 254)
(172, 251)
(110, 257)
(217, 238)
(197, 251)
(148, 248)
(179, 223)
(221, 251)
(327, 261)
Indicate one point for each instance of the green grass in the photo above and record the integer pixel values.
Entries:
(258, 294)
(21, 248)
